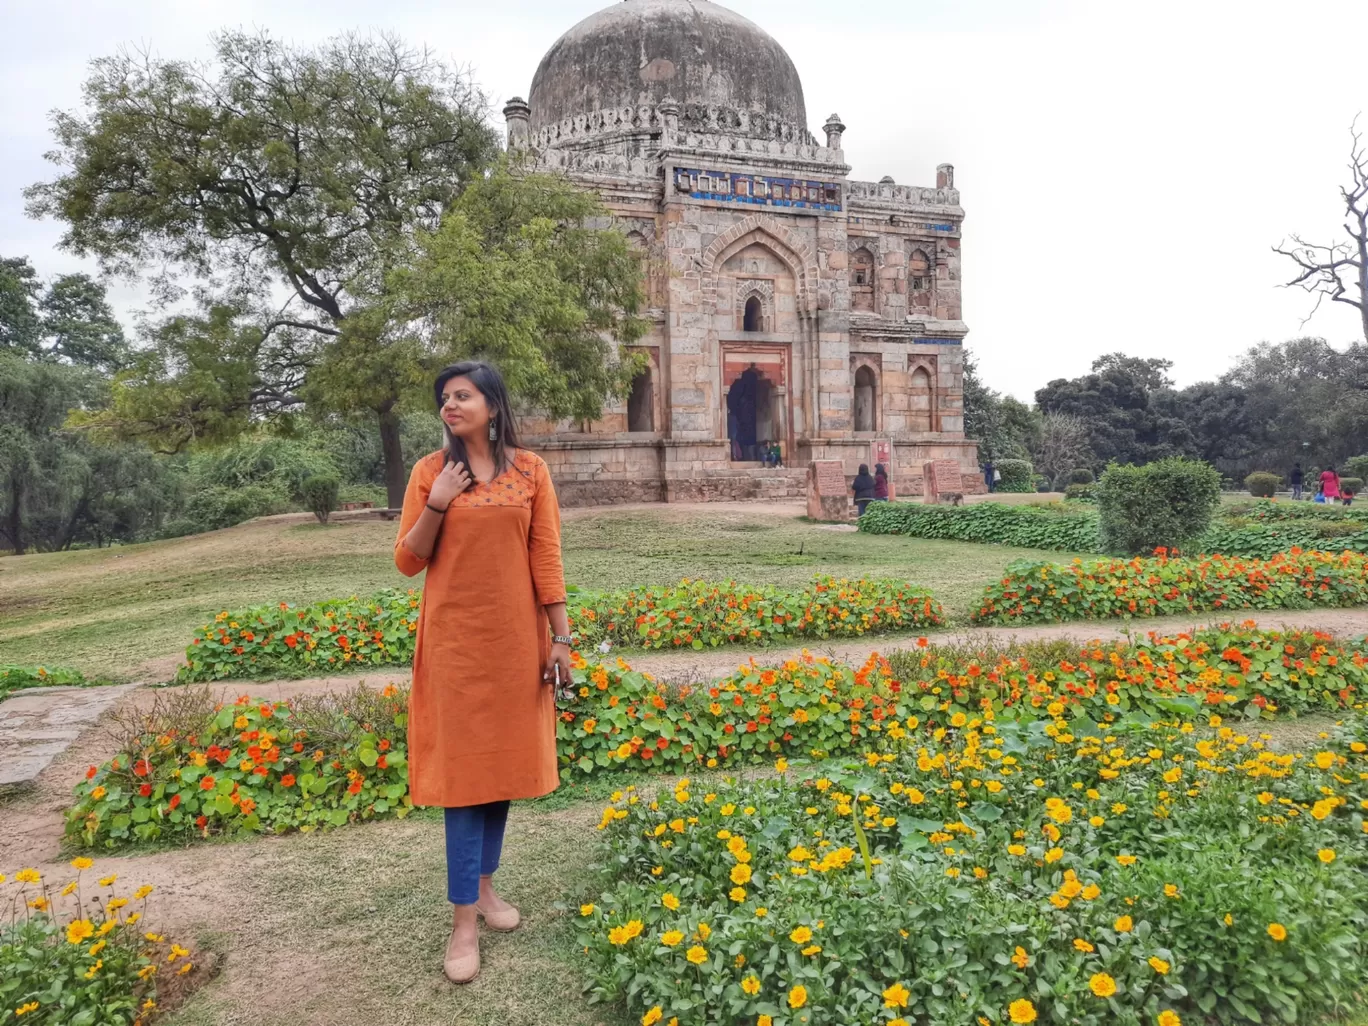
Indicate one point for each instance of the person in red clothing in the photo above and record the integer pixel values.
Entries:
(1330, 484)
(880, 483)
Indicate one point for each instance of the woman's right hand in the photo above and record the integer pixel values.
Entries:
(451, 482)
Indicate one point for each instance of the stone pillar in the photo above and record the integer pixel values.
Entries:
(517, 117)
(945, 176)
(669, 122)
(834, 131)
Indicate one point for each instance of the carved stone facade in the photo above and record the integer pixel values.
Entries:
(790, 306)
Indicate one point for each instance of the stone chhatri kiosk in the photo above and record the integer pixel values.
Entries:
(790, 306)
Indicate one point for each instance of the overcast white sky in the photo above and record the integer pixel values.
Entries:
(1124, 166)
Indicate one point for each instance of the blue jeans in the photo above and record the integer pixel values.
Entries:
(474, 839)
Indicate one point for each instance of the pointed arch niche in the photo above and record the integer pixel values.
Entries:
(921, 396)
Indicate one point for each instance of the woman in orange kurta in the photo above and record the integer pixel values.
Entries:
(493, 640)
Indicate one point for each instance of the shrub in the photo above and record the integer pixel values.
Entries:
(1272, 511)
(217, 507)
(1160, 504)
(1017, 476)
(1168, 586)
(1351, 484)
(1263, 485)
(1357, 466)
(1081, 476)
(319, 494)
(1075, 882)
(702, 615)
(188, 768)
(73, 956)
(1081, 492)
(280, 465)
(1033, 527)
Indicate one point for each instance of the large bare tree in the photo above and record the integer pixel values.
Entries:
(1339, 270)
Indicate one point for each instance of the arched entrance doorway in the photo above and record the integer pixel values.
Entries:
(866, 400)
(755, 404)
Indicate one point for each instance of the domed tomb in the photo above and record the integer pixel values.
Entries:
(725, 72)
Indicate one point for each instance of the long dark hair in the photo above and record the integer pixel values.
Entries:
(491, 386)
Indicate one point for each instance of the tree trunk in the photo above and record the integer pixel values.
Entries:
(392, 449)
(15, 527)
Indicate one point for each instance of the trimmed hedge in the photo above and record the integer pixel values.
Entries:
(1263, 485)
(1031, 527)
(1163, 503)
(1017, 476)
(1262, 540)
(1164, 586)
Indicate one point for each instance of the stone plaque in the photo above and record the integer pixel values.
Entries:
(828, 494)
(941, 479)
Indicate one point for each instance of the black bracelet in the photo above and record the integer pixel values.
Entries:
(439, 512)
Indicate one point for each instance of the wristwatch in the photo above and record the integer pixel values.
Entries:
(562, 639)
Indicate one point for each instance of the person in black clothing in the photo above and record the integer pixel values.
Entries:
(863, 487)
(1295, 480)
(989, 476)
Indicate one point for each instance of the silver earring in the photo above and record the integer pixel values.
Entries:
(493, 431)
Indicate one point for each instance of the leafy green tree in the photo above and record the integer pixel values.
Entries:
(70, 319)
(1004, 427)
(271, 167)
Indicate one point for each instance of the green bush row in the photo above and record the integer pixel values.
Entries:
(21, 678)
(1032, 527)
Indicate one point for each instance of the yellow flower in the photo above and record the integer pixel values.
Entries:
(1054, 854)
(1102, 985)
(1277, 931)
(1124, 925)
(1170, 1018)
(1091, 892)
(32, 1006)
(618, 935)
(108, 881)
(185, 968)
(812, 949)
(896, 996)
(79, 930)
(1127, 860)
(800, 935)
(142, 892)
(761, 912)
(670, 901)
(671, 938)
(1171, 890)
(587, 910)
(1159, 965)
(1020, 959)
(652, 1016)
(797, 997)
(81, 862)
(1326, 855)
(633, 928)
(1016, 849)
(28, 876)
(1083, 945)
(751, 985)
(697, 954)
(764, 1020)
(737, 894)
(1021, 1011)
(704, 930)
(740, 873)
(69, 889)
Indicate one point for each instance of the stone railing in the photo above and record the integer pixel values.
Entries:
(886, 195)
(690, 118)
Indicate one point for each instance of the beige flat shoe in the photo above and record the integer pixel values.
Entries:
(505, 921)
(461, 968)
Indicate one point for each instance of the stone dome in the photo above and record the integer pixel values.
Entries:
(721, 69)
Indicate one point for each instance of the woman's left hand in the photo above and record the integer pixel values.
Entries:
(559, 658)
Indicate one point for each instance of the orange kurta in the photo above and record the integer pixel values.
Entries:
(482, 723)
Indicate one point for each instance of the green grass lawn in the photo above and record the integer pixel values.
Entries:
(107, 611)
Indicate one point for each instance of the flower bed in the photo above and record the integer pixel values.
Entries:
(700, 614)
(283, 640)
(188, 769)
(21, 678)
(84, 955)
(1167, 586)
(812, 707)
(1014, 872)
(1031, 527)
